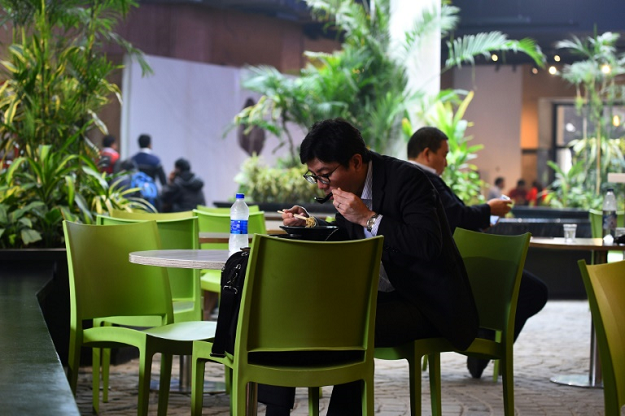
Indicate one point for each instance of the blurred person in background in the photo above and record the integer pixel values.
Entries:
(183, 191)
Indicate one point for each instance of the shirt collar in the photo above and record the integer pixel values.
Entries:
(145, 150)
(422, 166)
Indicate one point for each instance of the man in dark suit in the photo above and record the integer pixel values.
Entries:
(424, 289)
(428, 148)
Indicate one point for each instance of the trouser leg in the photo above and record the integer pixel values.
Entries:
(397, 322)
(533, 295)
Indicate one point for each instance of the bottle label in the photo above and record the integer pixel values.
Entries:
(609, 222)
(238, 226)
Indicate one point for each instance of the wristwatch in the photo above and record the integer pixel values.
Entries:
(371, 222)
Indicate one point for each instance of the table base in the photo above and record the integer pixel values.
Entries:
(576, 380)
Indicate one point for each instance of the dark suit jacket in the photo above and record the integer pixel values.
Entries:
(420, 256)
(475, 217)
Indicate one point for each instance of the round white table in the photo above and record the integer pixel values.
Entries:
(184, 259)
(600, 256)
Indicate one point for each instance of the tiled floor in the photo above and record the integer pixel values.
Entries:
(556, 341)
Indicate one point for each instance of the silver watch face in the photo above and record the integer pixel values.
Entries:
(371, 222)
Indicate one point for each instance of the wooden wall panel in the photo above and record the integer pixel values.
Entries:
(221, 37)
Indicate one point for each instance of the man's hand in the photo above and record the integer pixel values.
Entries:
(499, 207)
(289, 220)
(351, 207)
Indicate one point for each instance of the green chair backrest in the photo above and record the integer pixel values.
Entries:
(494, 265)
(220, 223)
(596, 222)
(605, 286)
(150, 216)
(102, 280)
(292, 302)
(174, 234)
(224, 210)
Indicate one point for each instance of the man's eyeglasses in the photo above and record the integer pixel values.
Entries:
(324, 179)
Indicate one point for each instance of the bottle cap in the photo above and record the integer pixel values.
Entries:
(240, 196)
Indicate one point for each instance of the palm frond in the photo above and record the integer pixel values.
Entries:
(465, 49)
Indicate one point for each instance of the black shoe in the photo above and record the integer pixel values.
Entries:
(476, 366)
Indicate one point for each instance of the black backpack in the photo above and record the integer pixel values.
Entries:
(232, 280)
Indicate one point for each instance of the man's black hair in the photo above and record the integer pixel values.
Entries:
(108, 140)
(333, 140)
(144, 141)
(182, 165)
(425, 138)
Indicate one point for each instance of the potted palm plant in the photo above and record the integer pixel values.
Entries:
(599, 149)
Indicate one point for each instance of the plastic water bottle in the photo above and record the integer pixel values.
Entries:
(239, 215)
(609, 217)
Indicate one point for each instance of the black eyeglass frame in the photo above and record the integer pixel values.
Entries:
(324, 179)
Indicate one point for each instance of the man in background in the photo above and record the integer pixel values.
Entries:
(519, 194)
(147, 162)
(496, 190)
(184, 190)
(428, 148)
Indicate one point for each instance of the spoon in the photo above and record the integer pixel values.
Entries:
(323, 200)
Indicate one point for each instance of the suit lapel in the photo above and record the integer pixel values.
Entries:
(379, 181)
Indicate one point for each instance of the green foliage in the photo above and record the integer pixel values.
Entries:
(56, 75)
(596, 78)
(16, 222)
(364, 82)
(260, 183)
(55, 82)
(40, 189)
(575, 188)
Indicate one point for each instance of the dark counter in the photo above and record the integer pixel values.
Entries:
(32, 378)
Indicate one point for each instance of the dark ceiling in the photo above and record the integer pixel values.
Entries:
(546, 21)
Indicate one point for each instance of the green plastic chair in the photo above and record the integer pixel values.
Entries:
(605, 286)
(210, 280)
(596, 229)
(152, 216)
(224, 210)
(185, 284)
(494, 265)
(291, 304)
(179, 233)
(103, 283)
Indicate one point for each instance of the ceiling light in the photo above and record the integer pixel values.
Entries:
(553, 70)
(616, 121)
(494, 57)
(556, 58)
(606, 69)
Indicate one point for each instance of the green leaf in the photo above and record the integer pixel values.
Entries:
(30, 236)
